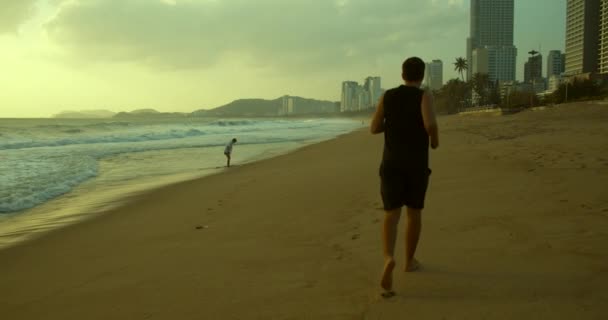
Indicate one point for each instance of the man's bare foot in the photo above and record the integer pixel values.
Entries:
(387, 275)
(412, 265)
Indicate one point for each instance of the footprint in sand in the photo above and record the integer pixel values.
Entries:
(339, 251)
(355, 236)
(309, 284)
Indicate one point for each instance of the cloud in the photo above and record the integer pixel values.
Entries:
(297, 34)
(13, 13)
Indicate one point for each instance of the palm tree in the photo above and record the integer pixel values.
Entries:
(461, 66)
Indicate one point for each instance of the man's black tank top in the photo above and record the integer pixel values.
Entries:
(406, 142)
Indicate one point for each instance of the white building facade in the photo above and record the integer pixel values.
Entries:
(357, 97)
(433, 75)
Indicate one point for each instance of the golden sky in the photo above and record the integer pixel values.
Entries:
(184, 55)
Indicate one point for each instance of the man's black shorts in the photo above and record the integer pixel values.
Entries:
(403, 187)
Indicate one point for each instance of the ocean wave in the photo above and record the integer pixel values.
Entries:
(224, 123)
(99, 138)
(37, 168)
(73, 131)
(125, 132)
(40, 178)
(109, 125)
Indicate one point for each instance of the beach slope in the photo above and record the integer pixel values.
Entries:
(516, 226)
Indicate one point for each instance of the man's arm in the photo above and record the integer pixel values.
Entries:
(430, 122)
(377, 125)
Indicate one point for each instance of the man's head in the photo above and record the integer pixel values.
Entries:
(412, 70)
(233, 140)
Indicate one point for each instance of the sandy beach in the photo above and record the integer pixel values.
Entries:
(515, 227)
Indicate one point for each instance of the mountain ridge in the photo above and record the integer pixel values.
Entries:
(247, 107)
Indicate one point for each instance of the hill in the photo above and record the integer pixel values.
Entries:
(282, 106)
(148, 113)
(84, 114)
(243, 108)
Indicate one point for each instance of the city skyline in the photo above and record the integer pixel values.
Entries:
(356, 97)
(174, 55)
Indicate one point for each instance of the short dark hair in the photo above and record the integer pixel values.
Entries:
(233, 139)
(413, 69)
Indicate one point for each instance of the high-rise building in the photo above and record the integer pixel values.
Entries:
(363, 99)
(582, 36)
(533, 69)
(373, 87)
(479, 61)
(287, 106)
(492, 28)
(356, 97)
(555, 64)
(603, 33)
(433, 75)
(501, 62)
(349, 96)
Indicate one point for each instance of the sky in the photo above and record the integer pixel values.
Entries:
(185, 55)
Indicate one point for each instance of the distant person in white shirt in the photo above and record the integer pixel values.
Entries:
(228, 151)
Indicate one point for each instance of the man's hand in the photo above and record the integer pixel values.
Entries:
(377, 123)
(435, 141)
(428, 117)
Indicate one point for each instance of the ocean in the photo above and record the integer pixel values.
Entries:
(54, 172)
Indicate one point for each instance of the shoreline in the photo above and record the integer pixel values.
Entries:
(514, 227)
(77, 205)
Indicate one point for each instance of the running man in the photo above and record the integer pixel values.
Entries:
(405, 114)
